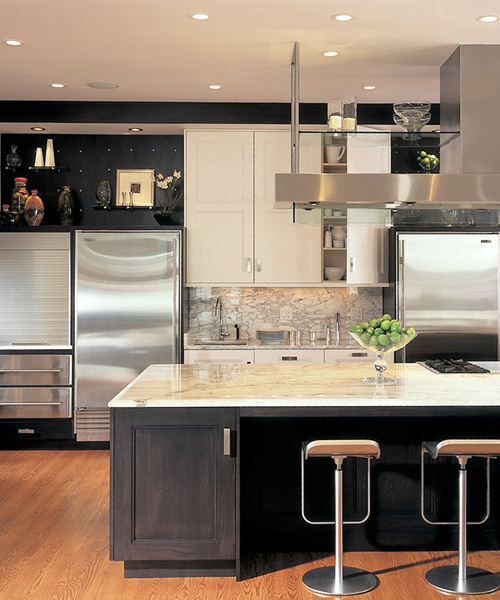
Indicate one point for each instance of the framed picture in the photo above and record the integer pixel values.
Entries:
(135, 187)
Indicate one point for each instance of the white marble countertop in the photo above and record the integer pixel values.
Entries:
(319, 385)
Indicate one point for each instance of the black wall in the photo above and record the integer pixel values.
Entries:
(90, 158)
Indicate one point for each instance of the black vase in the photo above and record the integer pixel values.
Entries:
(163, 219)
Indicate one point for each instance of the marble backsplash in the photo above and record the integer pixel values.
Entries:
(302, 309)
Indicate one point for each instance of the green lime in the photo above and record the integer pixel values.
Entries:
(365, 325)
(385, 325)
(396, 326)
(374, 323)
(370, 330)
(378, 331)
(410, 331)
(373, 340)
(395, 337)
(384, 340)
(423, 153)
(386, 317)
(365, 337)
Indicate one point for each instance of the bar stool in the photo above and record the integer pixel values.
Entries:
(461, 579)
(339, 580)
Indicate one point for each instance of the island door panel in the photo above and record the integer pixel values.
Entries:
(179, 503)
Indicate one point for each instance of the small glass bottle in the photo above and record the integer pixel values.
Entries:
(19, 195)
(103, 193)
(13, 159)
(34, 209)
(335, 115)
(66, 206)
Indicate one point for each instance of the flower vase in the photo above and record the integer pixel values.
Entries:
(163, 219)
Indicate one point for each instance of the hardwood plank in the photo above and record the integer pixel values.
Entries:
(54, 532)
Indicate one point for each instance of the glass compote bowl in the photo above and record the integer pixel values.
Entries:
(380, 364)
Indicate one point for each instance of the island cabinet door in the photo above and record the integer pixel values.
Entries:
(173, 484)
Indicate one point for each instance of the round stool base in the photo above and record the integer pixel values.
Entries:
(477, 581)
(355, 581)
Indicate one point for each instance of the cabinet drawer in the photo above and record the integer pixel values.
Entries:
(35, 403)
(352, 355)
(35, 369)
(194, 357)
(289, 356)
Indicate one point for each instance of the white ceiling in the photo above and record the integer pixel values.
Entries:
(156, 53)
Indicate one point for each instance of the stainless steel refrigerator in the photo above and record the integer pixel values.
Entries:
(127, 300)
(447, 288)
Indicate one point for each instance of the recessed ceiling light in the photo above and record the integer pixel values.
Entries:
(369, 87)
(102, 85)
(214, 87)
(341, 17)
(487, 19)
(135, 128)
(57, 85)
(330, 53)
(37, 128)
(199, 16)
(13, 42)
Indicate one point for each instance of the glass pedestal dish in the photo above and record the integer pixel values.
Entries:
(380, 363)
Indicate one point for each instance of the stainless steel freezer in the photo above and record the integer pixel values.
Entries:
(447, 288)
(128, 298)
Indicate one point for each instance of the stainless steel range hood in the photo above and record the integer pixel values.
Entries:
(470, 163)
(388, 190)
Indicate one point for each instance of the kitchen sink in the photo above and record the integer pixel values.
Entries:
(223, 343)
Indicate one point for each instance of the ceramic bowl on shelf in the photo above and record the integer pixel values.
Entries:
(334, 273)
(380, 364)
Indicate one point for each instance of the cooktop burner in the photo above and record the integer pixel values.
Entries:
(452, 366)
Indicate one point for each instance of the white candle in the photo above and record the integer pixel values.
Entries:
(349, 124)
(335, 122)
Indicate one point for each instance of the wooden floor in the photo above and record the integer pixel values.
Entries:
(54, 545)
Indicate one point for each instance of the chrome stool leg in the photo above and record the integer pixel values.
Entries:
(461, 579)
(338, 580)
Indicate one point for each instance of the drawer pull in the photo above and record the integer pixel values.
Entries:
(29, 344)
(359, 354)
(227, 442)
(25, 431)
(289, 358)
(3, 371)
(21, 404)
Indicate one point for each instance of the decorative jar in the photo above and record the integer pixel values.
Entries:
(13, 159)
(65, 206)
(19, 195)
(103, 194)
(34, 209)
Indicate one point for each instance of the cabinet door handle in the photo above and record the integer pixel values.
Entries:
(352, 264)
(249, 265)
(226, 441)
(4, 371)
(21, 404)
(259, 265)
(289, 358)
(353, 354)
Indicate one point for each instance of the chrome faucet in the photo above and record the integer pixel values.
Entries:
(220, 319)
(337, 329)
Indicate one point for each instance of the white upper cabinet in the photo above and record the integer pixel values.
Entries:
(234, 235)
(367, 246)
(368, 151)
(284, 252)
(219, 206)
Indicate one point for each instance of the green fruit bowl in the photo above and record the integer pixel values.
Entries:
(381, 349)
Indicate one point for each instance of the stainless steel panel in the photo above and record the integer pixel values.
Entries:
(418, 190)
(448, 290)
(127, 305)
(35, 403)
(35, 369)
(35, 281)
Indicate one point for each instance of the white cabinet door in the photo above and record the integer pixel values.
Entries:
(368, 152)
(290, 356)
(367, 246)
(219, 206)
(192, 357)
(353, 355)
(284, 252)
